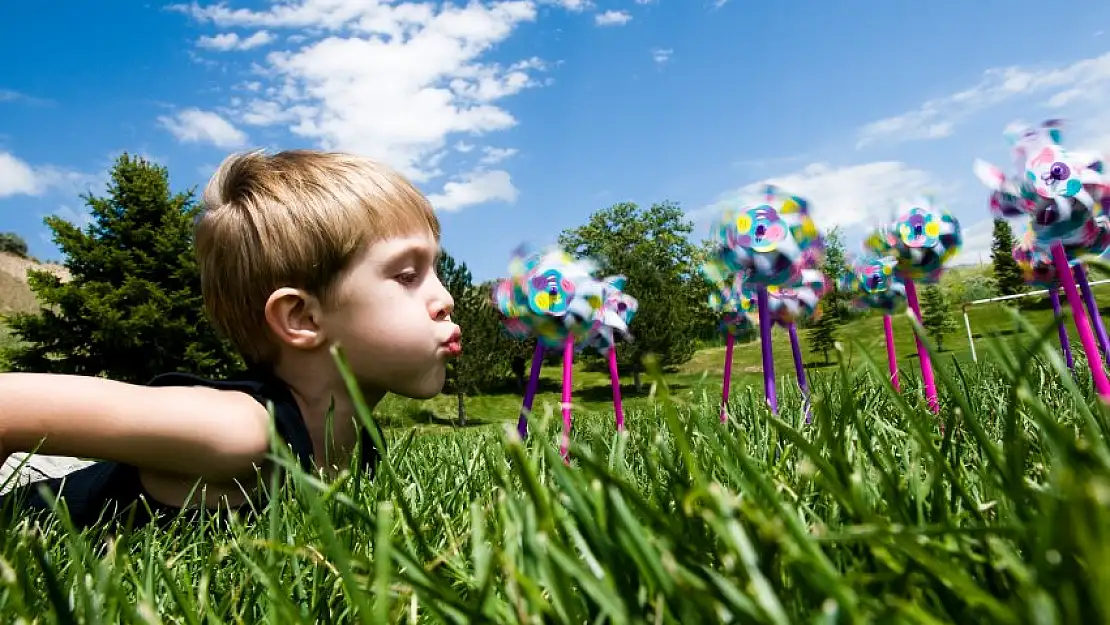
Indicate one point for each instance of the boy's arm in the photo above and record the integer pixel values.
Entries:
(193, 431)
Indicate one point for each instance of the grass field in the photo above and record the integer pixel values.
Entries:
(874, 514)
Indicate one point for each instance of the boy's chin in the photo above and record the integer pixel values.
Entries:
(429, 388)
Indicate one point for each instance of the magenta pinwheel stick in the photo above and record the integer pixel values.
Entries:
(1092, 309)
(568, 367)
(615, 378)
(730, 343)
(1065, 343)
(922, 352)
(891, 357)
(1082, 325)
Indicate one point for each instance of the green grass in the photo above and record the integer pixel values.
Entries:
(873, 514)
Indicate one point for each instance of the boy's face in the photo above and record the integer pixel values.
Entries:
(393, 318)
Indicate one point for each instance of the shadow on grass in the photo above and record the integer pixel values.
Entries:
(424, 416)
(603, 392)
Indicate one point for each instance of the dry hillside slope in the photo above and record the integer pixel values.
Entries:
(15, 295)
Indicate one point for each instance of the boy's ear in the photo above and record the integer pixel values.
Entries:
(293, 317)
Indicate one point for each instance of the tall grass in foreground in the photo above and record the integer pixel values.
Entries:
(875, 513)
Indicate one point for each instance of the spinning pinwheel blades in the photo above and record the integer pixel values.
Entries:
(872, 283)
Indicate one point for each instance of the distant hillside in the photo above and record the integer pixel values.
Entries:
(15, 295)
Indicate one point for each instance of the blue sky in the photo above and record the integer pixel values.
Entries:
(520, 118)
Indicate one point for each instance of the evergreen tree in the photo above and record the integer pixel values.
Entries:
(823, 328)
(1007, 274)
(937, 312)
(485, 356)
(822, 333)
(133, 306)
(833, 303)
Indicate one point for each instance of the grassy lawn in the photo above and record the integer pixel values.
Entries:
(871, 515)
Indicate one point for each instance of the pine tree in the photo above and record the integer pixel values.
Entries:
(936, 311)
(823, 328)
(833, 303)
(822, 334)
(132, 307)
(1007, 274)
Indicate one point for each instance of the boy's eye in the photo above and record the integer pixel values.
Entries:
(408, 277)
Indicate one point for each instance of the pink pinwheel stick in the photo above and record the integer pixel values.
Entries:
(922, 352)
(530, 392)
(568, 367)
(1082, 324)
(1092, 310)
(891, 358)
(800, 369)
(1065, 344)
(615, 377)
(730, 343)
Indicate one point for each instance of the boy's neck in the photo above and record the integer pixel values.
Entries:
(314, 394)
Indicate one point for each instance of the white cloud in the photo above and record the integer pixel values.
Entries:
(81, 218)
(612, 18)
(977, 240)
(196, 126)
(473, 188)
(401, 81)
(576, 6)
(492, 156)
(17, 177)
(232, 41)
(856, 195)
(8, 95)
(1088, 79)
(661, 55)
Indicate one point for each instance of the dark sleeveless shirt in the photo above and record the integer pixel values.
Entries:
(107, 490)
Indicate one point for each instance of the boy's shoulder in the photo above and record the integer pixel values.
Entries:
(267, 389)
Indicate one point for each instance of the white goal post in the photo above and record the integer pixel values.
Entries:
(991, 300)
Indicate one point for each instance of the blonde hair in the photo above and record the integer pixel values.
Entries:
(295, 218)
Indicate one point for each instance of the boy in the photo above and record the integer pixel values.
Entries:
(297, 251)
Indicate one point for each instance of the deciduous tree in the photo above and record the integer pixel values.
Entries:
(651, 247)
(936, 310)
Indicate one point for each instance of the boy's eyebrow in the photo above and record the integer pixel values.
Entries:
(414, 251)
